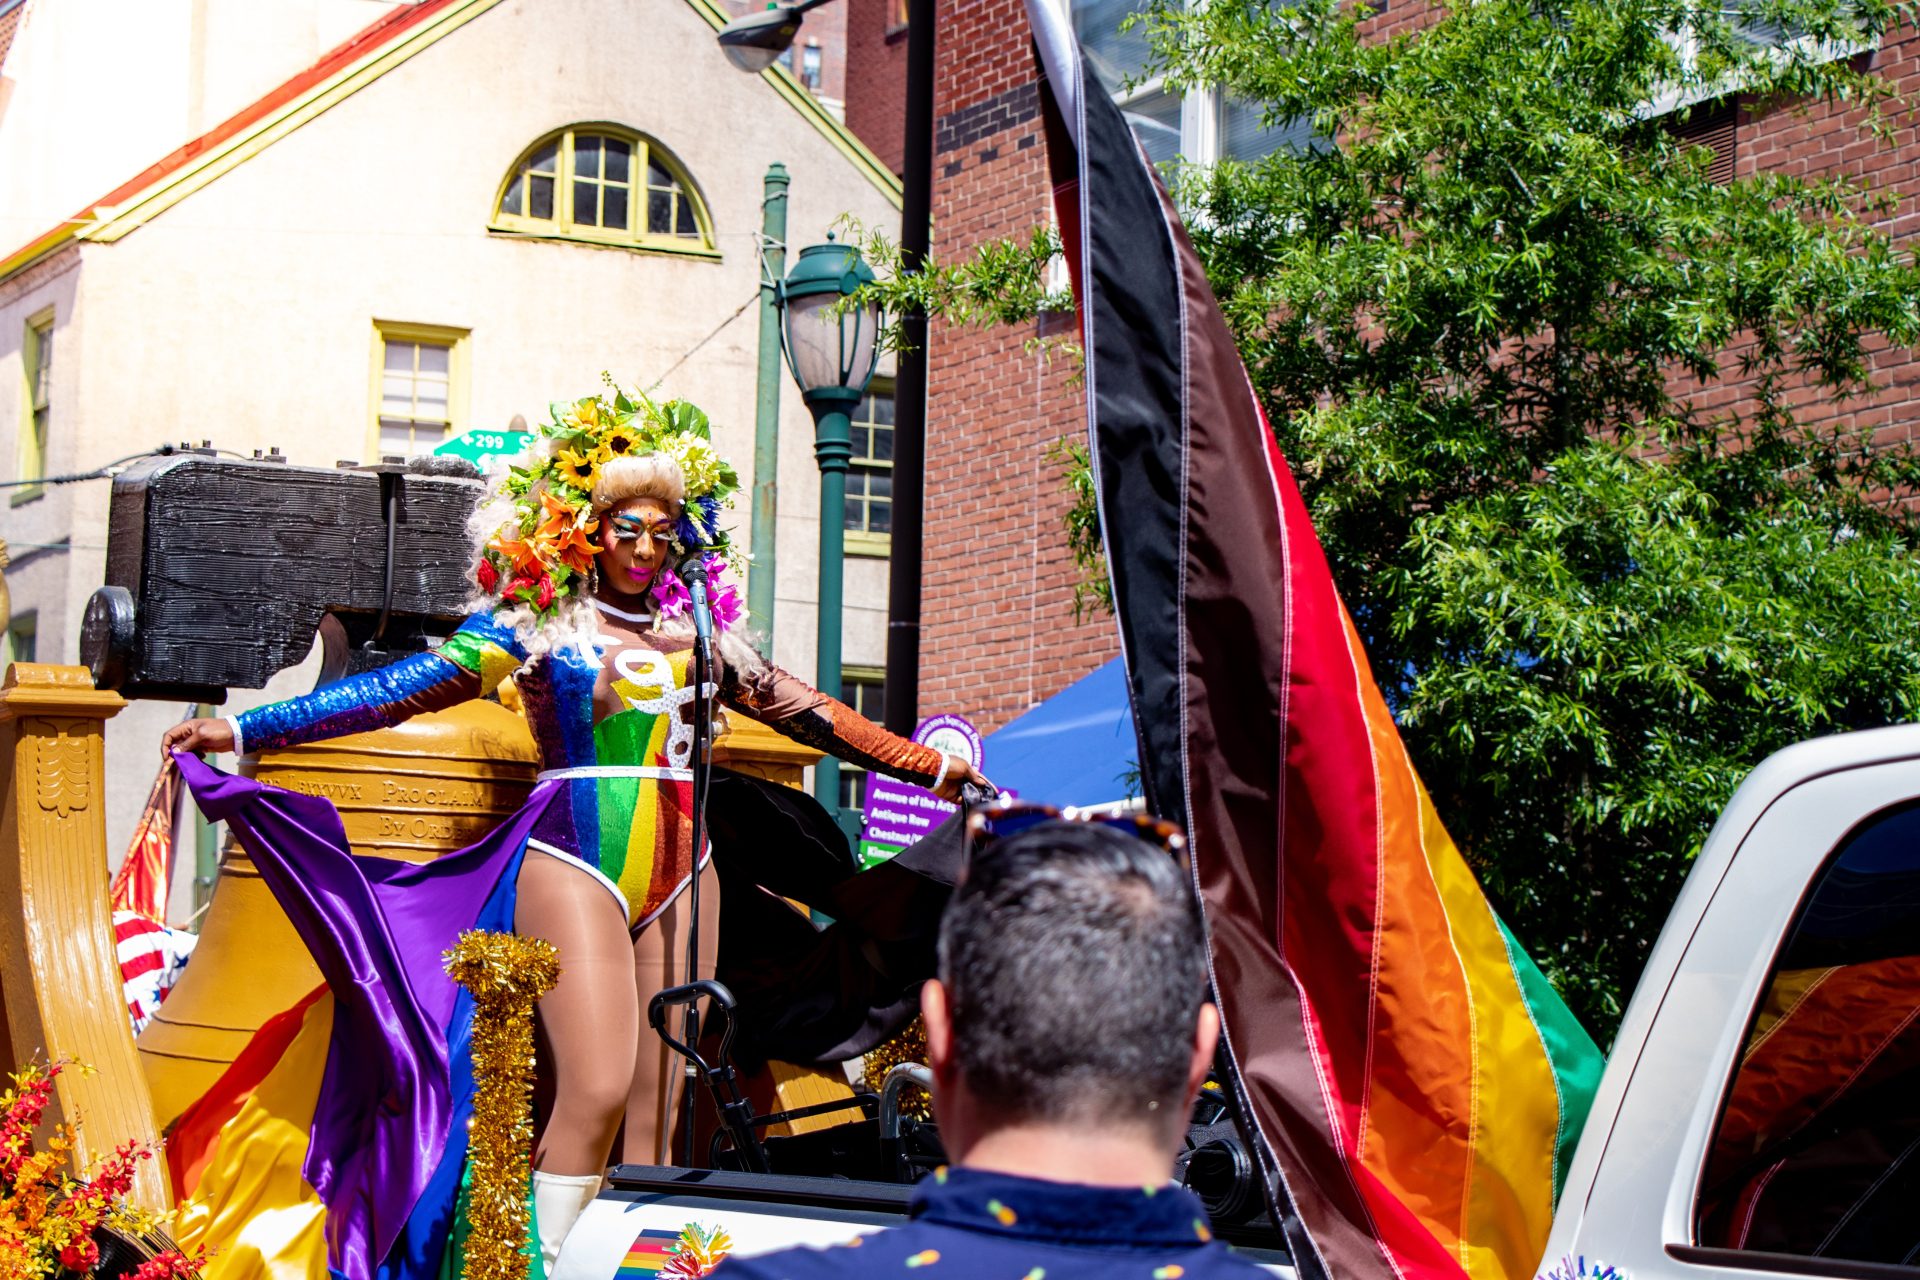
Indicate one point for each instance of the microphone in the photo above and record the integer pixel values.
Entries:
(693, 571)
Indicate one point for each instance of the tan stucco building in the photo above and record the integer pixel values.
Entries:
(466, 210)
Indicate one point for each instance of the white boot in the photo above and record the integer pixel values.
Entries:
(558, 1201)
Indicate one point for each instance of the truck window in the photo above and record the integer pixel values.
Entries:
(1817, 1152)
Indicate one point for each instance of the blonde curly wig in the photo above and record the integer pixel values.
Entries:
(646, 475)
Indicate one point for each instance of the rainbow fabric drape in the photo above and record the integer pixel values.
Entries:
(333, 1147)
(1416, 1084)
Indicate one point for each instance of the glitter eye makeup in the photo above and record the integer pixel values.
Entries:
(629, 529)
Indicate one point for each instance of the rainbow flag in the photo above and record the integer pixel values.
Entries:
(1416, 1085)
(651, 1253)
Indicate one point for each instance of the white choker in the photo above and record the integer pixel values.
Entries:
(606, 608)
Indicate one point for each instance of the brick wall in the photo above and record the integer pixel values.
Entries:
(1828, 142)
(1000, 632)
(826, 28)
(1810, 141)
(877, 76)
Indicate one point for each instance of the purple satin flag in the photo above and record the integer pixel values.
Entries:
(377, 927)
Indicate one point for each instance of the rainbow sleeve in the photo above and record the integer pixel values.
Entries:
(486, 648)
(476, 658)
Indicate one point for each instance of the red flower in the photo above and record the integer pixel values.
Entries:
(34, 1093)
(170, 1265)
(487, 575)
(545, 598)
(81, 1255)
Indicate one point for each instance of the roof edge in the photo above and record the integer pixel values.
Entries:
(871, 167)
(372, 52)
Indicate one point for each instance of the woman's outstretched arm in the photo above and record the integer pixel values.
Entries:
(475, 659)
(791, 706)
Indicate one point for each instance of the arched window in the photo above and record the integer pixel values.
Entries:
(604, 184)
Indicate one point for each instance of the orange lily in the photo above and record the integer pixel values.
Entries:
(559, 516)
(575, 549)
(524, 555)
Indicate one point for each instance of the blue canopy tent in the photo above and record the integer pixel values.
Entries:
(1076, 748)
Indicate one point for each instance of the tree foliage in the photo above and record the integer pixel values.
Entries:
(1486, 317)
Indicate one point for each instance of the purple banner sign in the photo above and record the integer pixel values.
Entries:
(898, 813)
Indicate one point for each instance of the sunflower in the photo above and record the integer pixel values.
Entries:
(580, 470)
(584, 416)
(618, 443)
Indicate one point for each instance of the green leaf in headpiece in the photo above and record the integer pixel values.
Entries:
(687, 419)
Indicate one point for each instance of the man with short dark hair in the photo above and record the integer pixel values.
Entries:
(1068, 1033)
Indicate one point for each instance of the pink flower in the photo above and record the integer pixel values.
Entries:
(725, 601)
(670, 594)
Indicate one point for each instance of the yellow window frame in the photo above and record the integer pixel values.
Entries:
(457, 341)
(848, 677)
(31, 453)
(645, 151)
(864, 675)
(863, 542)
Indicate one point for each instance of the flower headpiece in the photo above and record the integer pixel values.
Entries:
(543, 552)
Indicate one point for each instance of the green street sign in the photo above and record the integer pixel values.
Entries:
(873, 853)
(481, 447)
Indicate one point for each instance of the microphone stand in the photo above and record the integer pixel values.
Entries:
(693, 571)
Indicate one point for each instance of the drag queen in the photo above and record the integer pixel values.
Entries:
(579, 603)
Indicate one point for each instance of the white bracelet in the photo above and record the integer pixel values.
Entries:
(946, 763)
(239, 739)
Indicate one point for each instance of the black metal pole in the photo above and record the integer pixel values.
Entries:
(702, 783)
(910, 385)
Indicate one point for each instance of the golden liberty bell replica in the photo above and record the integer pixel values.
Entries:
(220, 573)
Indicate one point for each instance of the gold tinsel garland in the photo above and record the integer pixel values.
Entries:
(909, 1045)
(506, 975)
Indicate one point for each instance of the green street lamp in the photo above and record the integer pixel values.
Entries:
(832, 351)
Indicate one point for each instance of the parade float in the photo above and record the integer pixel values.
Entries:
(411, 792)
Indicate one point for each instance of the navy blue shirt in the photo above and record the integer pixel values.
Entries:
(969, 1223)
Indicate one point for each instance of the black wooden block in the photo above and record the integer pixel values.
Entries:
(220, 572)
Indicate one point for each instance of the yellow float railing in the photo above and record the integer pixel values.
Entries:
(59, 976)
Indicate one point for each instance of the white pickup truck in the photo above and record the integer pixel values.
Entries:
(1760, 1111)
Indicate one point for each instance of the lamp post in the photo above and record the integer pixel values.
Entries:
(832, 352)
(753, 43)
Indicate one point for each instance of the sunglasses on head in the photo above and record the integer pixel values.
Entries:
(1003, 819)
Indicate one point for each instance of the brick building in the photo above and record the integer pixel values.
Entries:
(876, 75)
(998, 610)
(999, 627)
(1000, 632)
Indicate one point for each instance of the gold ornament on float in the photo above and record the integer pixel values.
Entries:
(909, 1044)
(506, 975)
